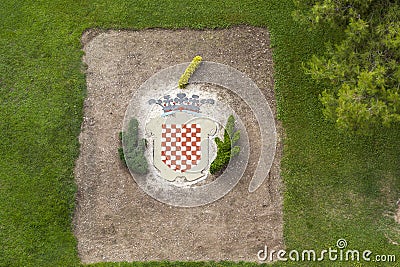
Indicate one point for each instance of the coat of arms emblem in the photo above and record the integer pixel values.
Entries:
(181, 137)
(182, 147)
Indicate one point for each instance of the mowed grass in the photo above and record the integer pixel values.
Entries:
(335, 186)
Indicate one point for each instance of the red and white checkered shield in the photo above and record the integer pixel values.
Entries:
(181, 146)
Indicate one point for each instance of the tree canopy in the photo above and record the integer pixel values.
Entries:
(361, 71)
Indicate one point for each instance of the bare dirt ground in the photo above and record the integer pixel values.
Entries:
(114, 219)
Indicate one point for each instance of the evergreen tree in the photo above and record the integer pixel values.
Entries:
(361, 71)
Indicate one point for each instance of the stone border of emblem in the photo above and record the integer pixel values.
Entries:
(178, 169)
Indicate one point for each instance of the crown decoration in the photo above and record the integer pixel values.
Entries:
(181, 103)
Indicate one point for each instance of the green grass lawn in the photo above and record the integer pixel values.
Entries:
(336, 186)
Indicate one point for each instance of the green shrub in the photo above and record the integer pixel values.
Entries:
(226, 149)
(133, 156)
(184, 80)
(131, 140)
(121, 154)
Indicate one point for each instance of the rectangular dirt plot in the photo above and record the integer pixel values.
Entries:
(114, 219)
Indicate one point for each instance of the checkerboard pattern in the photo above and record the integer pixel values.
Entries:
(180, 146)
